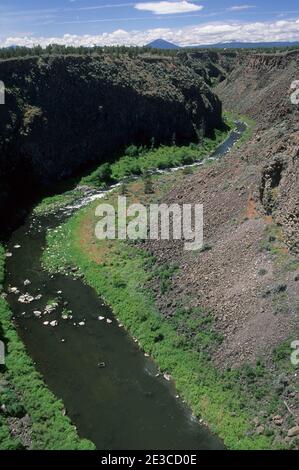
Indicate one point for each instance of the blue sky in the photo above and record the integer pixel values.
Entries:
(185, 22)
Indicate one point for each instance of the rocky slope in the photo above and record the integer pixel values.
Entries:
(247, 275)
(63, 113)
(259, 86)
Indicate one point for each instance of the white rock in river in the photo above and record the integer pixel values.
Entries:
(54, 323)
(26, 298)
(13, 290)
(37, 313)
(8, 254)
(27, 282)
(81, 323)
(17, 246)
(50, 308)
(109, 321)
(46, 323)
(101, 318)
(167, 377)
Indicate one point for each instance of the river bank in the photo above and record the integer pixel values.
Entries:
(119, 273)
(25, 398)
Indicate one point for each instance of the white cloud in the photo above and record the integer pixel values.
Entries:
(167, 8)
(241, 7)
(206, 33)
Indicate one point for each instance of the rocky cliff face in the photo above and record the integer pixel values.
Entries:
(63, 113)
(212, 65)
(259, 86)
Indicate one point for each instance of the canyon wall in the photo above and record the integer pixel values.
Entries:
(63, 113)
(259, 86)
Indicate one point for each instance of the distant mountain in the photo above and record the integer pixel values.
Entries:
(162, 44)
(246, 45)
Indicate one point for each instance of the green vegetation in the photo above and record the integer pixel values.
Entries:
(164, 274)
(100, 177)
(62, 50)
(196, 327)
(116, 51)
(141, 160)
(25, 392)
(6, 440)
(52, 203)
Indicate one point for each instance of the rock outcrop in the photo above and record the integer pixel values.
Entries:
(260, 86)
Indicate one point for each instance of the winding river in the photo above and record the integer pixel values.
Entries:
(125, 405)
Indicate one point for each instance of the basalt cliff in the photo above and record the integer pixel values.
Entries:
(65, 113)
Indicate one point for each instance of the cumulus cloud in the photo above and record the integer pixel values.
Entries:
(241, 7)
(167, 8)
(206, 33)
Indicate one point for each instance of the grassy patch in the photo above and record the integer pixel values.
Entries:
(165, 274)
(52, 203)
(99, 178)
(196, 330)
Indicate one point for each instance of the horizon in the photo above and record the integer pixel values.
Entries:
(181, 22)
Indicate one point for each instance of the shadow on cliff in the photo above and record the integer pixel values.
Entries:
(63, 115)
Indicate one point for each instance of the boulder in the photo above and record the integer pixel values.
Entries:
(293, 431)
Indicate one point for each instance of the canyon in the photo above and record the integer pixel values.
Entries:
(235, 302)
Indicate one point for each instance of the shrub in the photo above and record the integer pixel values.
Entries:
(132, 151)
(100, 177)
